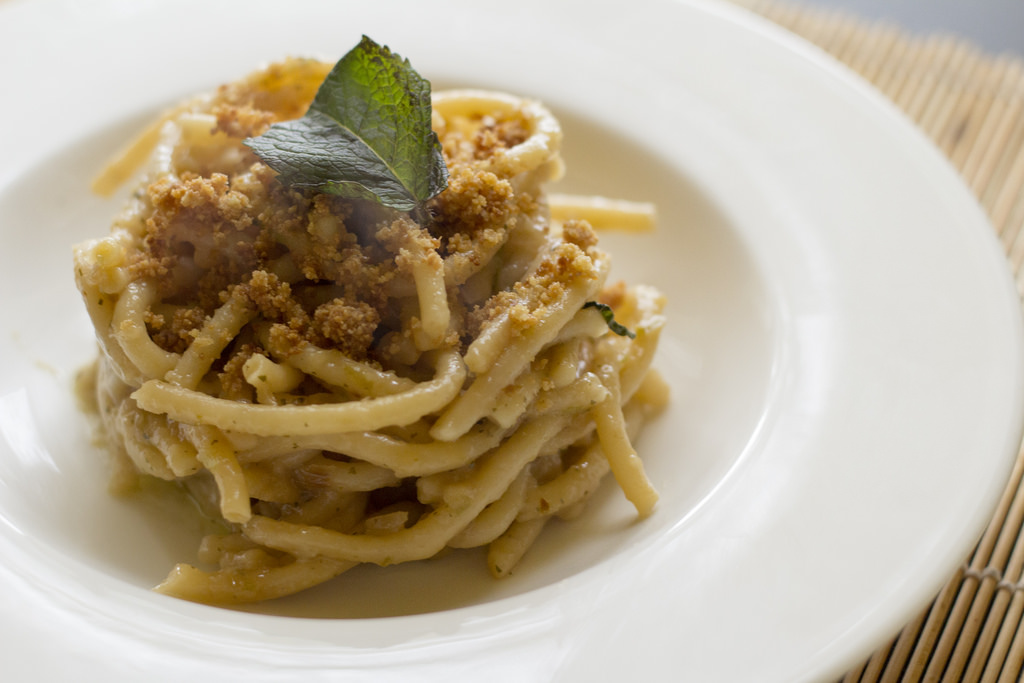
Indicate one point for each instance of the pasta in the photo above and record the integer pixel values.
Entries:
(338, 384)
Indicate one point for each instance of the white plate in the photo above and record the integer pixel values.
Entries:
(844, 348)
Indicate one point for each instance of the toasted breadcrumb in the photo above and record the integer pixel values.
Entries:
(232, 382)
(528, 301)
(614, 294)
(322, 270)
(242, 121)
(579, 233)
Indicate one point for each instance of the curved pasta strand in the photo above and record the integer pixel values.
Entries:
(428, 275)
(147, 457)
(346, 476)
(337, 369)
(214, 451)
(505, 551)
(576, 483)
(511, 403)
(625, 464)
(193, 407)
(269, 378)
(480, 396)
(432, 531)
(218, 331)
(403, 458)
(640, 353)
(129, 331)
(603, 213)
(232, 587)
(580, 479)
(496, 517)
(179, 454)
(484, 350)
(533, 153)
(135, 154)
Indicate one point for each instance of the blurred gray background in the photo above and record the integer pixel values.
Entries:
(996, 25)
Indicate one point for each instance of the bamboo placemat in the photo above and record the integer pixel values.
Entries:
(971, 104)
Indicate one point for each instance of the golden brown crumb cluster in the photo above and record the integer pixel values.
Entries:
(323, 270)
(528, 300)
(467, 139)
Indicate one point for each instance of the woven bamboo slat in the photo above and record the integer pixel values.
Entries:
(971, 104)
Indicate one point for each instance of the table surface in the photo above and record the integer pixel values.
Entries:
(994, 25)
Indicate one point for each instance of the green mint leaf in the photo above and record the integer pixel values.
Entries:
(366, 135)
(609, 317)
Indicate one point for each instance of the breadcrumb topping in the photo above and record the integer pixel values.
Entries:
(527, 302)
(327, 271)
